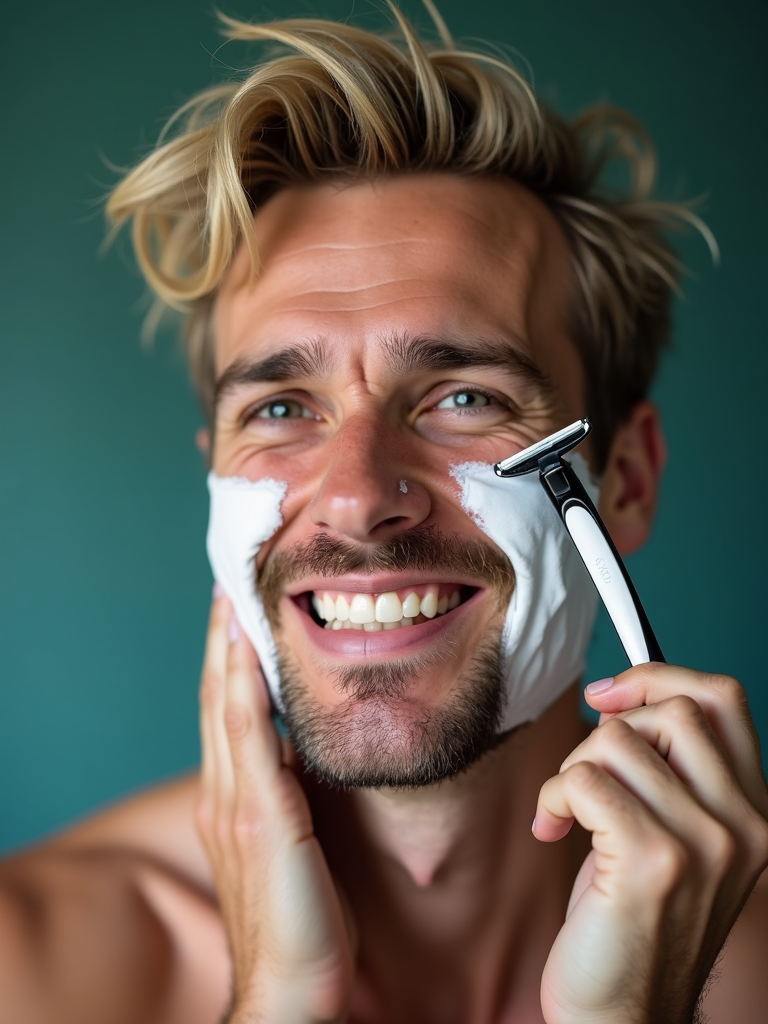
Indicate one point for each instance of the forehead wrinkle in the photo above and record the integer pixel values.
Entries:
(300, 291)
(347, 247)
(507, 255)
(360, 308)
(368, 286)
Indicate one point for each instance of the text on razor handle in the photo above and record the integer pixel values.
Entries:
(602, 570)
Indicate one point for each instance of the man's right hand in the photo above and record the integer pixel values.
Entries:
(291, 949)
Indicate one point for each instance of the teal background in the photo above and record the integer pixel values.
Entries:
(105, 584)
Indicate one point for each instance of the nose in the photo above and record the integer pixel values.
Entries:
(365, 493)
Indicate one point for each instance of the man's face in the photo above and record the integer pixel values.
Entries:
(395, 329)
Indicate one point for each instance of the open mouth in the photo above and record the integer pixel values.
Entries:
(393, 609)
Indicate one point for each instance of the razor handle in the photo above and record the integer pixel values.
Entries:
(603, 562)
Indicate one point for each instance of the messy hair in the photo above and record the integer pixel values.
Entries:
(332, 102)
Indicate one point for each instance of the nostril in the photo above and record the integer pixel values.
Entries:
(394, 521)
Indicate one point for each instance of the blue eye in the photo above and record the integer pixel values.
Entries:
(464, 400)
(283, 409)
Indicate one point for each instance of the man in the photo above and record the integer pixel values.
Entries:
(398, 263)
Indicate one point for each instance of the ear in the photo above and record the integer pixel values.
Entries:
(203, 440)
(630, 482)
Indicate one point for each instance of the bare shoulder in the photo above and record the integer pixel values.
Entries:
(114, 921)
(739, 986)
(157, 824)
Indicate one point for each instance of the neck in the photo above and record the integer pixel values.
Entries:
(435, 832)
(426, 870)
(479, 816)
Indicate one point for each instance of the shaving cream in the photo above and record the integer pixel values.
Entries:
(551, 613)
(244, 514)
(550, 616)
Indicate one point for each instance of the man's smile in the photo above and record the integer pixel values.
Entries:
(388, 610)
(365, 618)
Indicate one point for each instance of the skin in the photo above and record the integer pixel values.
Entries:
(438, 904)
(366, 426)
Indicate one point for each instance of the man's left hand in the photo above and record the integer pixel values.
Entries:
(671, 787)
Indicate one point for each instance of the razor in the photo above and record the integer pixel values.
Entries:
(587, 531)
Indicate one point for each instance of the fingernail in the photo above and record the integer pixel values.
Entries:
(533, 825)
(218, 590)
(234, 631)
(599, 685)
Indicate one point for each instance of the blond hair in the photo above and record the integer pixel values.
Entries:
(341, 103)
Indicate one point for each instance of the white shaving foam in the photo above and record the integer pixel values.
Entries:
(244, 514)
(549, 619)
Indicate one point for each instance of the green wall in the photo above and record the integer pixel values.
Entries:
(102, 501)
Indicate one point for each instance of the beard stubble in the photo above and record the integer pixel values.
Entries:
(381, 734)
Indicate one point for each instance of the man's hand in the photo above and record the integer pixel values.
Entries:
(670, 786)
(291, 952)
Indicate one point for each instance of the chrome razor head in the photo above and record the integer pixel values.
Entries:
(554, 446)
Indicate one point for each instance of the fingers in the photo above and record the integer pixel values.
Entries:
(679, 731)
(704, 828)
(632, 850)
(249, 823)
(217, 769)
(625, 756)
(665, 758)
(721, 698)
(254, 744)
(285, 929)
(670, 786)
(655, 851)
(247, 790)
(266, 784)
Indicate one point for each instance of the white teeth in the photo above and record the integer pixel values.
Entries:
(429, 603)
(388, 607)
(361, 609)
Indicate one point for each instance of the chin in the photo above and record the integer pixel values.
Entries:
(384, 732)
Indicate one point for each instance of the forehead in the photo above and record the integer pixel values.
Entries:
(428, 254)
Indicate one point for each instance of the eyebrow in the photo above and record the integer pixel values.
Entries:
(422, 353)
(405, 354)
(304, 360)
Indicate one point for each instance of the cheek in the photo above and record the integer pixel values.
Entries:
(299, 469)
